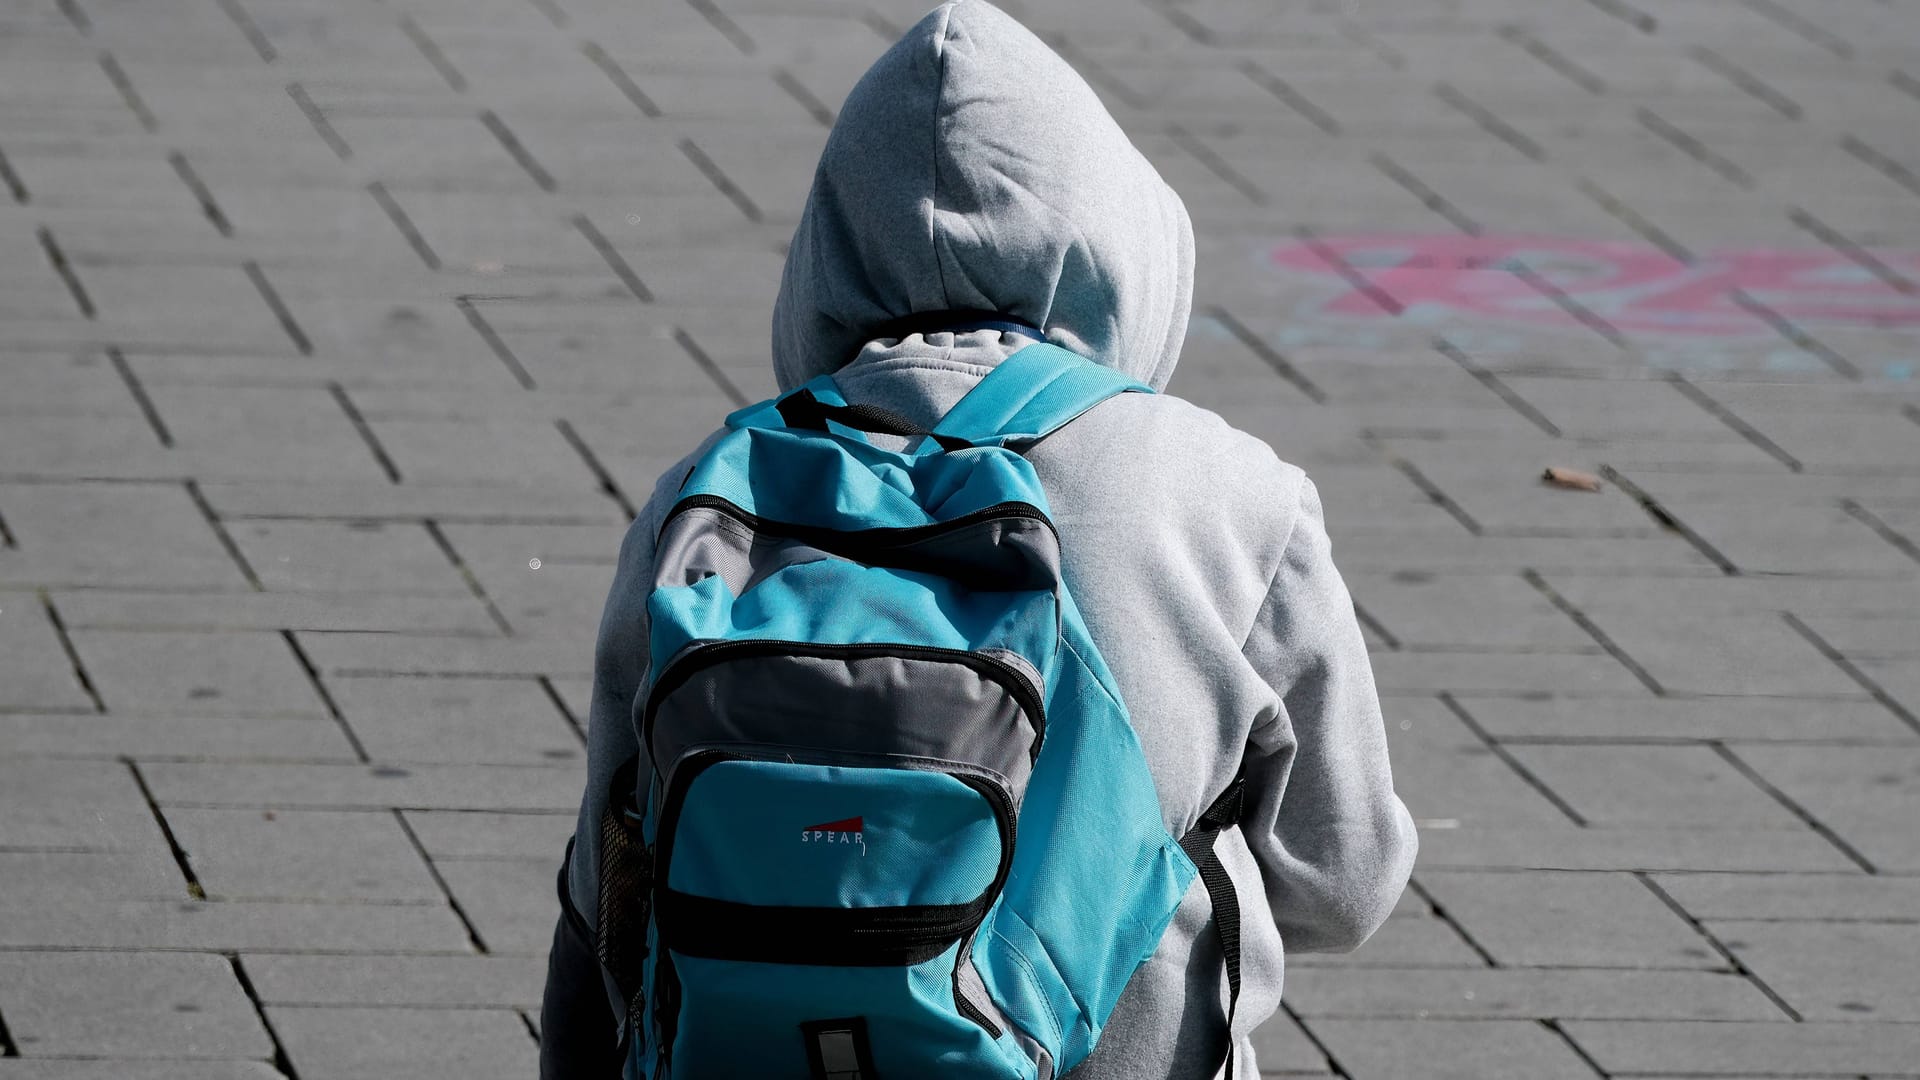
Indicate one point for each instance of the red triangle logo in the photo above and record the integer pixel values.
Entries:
(852, 824)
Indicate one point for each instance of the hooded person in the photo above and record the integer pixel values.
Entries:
(973, 195)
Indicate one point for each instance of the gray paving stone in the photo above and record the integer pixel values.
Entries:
(1654, 786)
(1652, 848)
(1704, 596)
(1899, 678)
(1748, 1077)
(1450, 1050)
(1770, 539)
(1751, 655)
(365, 787)
(1523, 994)
(1838, 897)
(1874, 638)
(453, 152)
(360, 655)
(514, 982)
(202, 926)
(244, 431)
(1804, 490)
(431, 1044)
(1448, 774)
(1282, 1048)
(1855, 440)
(546, 580)
(126, 1069)
(1407, 939)
(405, 348)
(462, 834)
(1502, 613)
(1731, 719)
(84, 179)
(510, 901)
(128, 1005)
(576, 691)
(1718, 1049)
(97, 609)
(303, 222)
(457, 452)
(212, 674)
(40, 674)
(588, 345)
(63, 805)
(412, 502)
(1592, 673)
(773, 167)
(1833, 971)
(1569, 919)
(301, 855)
(616, 155)
(172, 309)
(305, 738)
(67, 534)
(476, 721)
(55, 877)
(54, 446)
(346, 557)
(1619, 408)
(1461, 553)
(64, 384)
(1866, 794)
(463, 374)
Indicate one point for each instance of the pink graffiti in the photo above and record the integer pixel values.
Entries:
(1631, 287)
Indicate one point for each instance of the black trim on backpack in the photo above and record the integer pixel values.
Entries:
(626, 890)
(577, 1019)
(1223, 813)
(866, 542)
(849, 1037)
(816, 936)
(802, 410)
(902, 547)
(1026, 695)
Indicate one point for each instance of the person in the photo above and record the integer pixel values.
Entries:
(972, 172)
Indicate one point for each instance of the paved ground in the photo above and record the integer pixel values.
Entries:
(339, 338)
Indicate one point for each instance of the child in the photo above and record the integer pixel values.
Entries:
(973, 196)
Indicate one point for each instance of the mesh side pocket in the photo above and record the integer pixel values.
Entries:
(626, 884)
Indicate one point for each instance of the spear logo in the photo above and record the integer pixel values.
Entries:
(845, 831)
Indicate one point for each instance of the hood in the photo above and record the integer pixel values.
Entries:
(972, 169)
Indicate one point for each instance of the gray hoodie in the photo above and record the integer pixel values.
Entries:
(971, 168)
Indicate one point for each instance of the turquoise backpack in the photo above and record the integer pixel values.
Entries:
(897, 823)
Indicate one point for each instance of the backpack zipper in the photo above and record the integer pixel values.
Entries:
(1024, 691)
(877, 537)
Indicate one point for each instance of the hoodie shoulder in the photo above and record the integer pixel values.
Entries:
(1174, 426)
(1180, 470)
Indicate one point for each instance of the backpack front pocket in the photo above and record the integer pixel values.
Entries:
(861, 883)
(826, 864)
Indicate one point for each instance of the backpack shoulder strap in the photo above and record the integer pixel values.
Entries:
(1224, 813)
(1030, 395)
(768, 413)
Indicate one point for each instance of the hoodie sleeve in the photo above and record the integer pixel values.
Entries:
(579, 1039)
(1334, 843)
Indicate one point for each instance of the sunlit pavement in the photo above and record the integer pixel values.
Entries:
(338, 339)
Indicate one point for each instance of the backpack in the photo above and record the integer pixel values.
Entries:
(896, 822)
